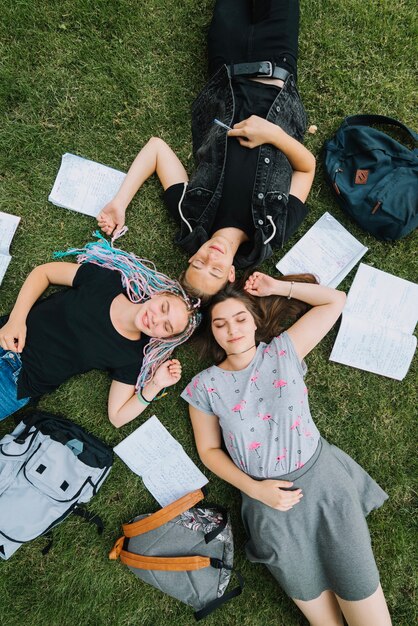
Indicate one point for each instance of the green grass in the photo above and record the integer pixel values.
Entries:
(98, 79)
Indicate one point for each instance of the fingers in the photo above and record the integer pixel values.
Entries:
(288, 499)
(8, 343)
(21, 340)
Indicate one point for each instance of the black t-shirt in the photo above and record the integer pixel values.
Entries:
(71, 332)
(234, 210)
(240, 216)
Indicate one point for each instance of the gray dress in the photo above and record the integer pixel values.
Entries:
(323, 543)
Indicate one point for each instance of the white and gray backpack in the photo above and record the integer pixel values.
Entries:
(48, 467)
(183, 550)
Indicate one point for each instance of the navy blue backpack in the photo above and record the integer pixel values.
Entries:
(374, 177)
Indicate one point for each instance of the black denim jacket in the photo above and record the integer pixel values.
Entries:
(197, 210)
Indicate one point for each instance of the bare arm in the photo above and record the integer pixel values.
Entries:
(123, 403)
(13, 334)
(155, 156)
(207, 435)
(256, 131)
(326, 303)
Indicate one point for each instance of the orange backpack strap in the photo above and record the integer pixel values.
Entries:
(164, 515)
(173, 564)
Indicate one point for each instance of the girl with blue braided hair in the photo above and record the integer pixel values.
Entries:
(118, 314)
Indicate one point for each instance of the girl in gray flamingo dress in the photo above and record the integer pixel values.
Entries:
(304, 501)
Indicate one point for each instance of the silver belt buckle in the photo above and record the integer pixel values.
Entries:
(269, 72)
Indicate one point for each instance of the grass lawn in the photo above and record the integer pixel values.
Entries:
(98, 79)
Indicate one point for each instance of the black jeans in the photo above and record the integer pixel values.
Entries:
(258, 30)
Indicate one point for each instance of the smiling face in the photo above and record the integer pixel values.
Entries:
(233, 326)
(162, 316)
(212, 266)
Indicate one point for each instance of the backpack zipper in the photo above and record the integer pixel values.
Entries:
(334, 184)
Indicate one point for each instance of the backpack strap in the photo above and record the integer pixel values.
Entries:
(366, 120)
(163, 563)
(164, 515)
(212, 606)
(174, 563)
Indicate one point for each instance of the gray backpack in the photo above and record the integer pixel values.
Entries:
(48, 466)
(185, 552)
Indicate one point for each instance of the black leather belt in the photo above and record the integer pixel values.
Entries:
(260, 69)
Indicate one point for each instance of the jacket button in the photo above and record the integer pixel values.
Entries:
(198, 192)
(266, 160)
(260, 222)
(279, 197)
(260, 196)
(277, 108)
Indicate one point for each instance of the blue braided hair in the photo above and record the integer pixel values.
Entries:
(141, 280)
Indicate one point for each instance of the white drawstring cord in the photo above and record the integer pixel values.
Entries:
(179, 208)
(274, 229)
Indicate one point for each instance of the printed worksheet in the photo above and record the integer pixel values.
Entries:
(84, 186)
(377, 324)
(166, 470)
(8, 225)
(327, 250)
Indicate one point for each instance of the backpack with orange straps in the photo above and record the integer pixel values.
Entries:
(183, 550)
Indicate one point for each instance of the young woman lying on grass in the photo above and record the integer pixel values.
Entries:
(304, 501)
(118, 314)
(247, 194)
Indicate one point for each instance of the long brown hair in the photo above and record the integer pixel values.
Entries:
(272, 314)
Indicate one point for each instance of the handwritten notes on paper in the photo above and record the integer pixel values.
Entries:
(152, 453)
(84, 186)
(377, 324)
(8, 225)
(327, 250)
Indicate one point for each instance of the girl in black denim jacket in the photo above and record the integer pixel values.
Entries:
(246, 196)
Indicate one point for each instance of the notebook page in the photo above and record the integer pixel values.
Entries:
(327, 250)
(84, 186)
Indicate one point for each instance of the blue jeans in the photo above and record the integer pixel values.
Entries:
(10, 366)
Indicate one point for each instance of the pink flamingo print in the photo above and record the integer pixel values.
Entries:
(299, 464)
(279, 383)
(254, 379)
(296, 424)
(282, 352)
(239, 407)
(231, 374)
(268, 350)
(307, 432)
(254, 445)
(196, 382)
(267, 417)
(280, 459)
(231, 438)
(213, 391)
(189, 391)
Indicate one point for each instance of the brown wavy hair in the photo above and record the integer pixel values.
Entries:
(272, 314)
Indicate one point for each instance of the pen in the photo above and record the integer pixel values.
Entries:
(221, 124)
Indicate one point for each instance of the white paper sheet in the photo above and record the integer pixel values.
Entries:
(373, 348)
(382, 298)
(84, 186)
(327, 250)
(152, 453)
(8, 225)
(377, 324)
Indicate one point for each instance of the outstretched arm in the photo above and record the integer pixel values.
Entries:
(207, 435)
(13, 334)
(255, 131)
(124, 404)
(326, 303)
(155, 156)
